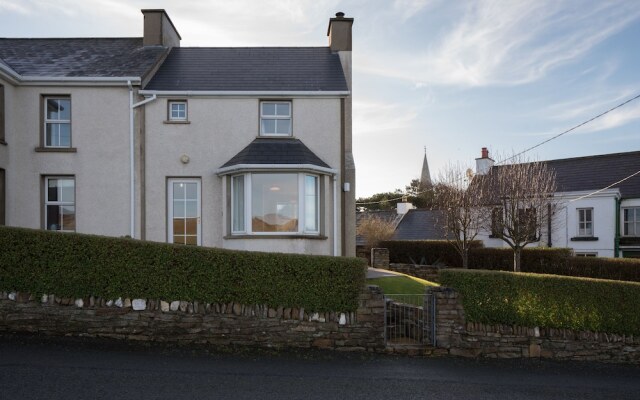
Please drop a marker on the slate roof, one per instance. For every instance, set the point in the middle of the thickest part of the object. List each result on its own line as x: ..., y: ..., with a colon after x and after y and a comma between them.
x: 275, y: 151
x: 250, y: 69
x: 597, y: 172
x: 420, y: 224
x: 386, y: 215
x: 79, y: 57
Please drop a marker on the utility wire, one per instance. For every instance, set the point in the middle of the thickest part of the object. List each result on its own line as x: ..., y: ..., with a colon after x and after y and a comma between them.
x: 605, y: 188
x: 533, y: 147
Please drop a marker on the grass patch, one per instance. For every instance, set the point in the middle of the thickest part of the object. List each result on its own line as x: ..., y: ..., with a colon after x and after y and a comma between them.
x: 404, y: 288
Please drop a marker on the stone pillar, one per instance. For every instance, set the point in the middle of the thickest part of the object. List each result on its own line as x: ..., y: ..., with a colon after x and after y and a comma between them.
x: 380, y: 258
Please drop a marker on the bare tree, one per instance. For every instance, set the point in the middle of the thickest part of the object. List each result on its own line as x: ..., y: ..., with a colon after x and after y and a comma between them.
x: 522, y: 200
x: 460, y: 204
x: 375, y: 229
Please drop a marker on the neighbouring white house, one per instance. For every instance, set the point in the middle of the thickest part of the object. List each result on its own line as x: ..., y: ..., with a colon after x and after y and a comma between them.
x: 240, y: 148
x: 597, y: 210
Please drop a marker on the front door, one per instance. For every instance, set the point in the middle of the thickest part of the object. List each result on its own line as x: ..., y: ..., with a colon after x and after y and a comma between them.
x: 184, y: 211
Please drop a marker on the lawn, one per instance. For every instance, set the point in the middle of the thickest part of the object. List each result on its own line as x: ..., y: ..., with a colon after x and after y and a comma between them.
x: 405, y: 288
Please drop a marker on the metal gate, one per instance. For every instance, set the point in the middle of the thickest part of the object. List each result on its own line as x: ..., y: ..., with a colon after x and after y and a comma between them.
x: 410, y: 319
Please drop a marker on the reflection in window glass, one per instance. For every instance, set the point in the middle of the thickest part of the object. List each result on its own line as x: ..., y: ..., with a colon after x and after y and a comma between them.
x: 311, y: 203
x: 237, y: 206
x: 60, y: 211
x: 57, y: 122
x: 274, y: 202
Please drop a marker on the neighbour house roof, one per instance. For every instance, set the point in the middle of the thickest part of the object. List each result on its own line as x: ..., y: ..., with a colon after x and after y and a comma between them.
x: 420, y: 224
x: 596, y: 172
x: 250, y: 69
x: 79, y: 57
x: 385, y: 215
x: 275, y: 151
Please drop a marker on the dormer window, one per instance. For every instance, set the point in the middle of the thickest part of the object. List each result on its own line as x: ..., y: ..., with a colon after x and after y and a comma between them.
x: 275, y: 118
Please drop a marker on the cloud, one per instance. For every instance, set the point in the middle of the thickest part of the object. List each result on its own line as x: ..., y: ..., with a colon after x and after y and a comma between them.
x: 509, y: 43
x: 409, y: 8
x: 381, y: 118
x: 622, y: 116
x: 11, y: 6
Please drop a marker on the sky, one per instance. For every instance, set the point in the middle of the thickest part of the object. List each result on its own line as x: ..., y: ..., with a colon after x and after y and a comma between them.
x: 451, y: 76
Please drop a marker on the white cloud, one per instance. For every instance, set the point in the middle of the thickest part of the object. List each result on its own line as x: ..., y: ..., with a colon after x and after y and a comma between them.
x: 408, y: 8
x: 11, y: 6
x: 622, y: 116
x: 510, y: 43
x: 382, y: 118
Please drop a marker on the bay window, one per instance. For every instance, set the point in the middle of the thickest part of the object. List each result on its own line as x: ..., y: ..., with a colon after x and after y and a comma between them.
x: 275, y: 203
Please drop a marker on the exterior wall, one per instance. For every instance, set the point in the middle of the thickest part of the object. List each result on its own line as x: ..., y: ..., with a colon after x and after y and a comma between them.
x: 100, y: 133
x: 218, y: 129
x: 5, y: 154
x: 564, y: 225
x: 215, y: 324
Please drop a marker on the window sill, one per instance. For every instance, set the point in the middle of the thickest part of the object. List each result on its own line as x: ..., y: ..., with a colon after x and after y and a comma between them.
x: 261, y: 136
x: 584, y: 239
x: 176, y: 122
x: 283, y: 236
x: 56, y: 150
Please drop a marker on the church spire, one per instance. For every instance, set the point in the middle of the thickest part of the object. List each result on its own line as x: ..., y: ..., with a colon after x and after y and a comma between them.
x: 425, y: 176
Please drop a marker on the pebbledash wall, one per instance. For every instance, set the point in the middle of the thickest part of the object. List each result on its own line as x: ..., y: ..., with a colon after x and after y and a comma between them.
x: 185, y: 322
x: 466, y: 339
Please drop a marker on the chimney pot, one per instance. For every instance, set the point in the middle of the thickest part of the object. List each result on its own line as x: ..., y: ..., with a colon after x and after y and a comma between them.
x: 339, y: 14
x: 485, y: 152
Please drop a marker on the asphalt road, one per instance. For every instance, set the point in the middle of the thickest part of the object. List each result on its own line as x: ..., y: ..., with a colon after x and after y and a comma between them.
x: 43, y: 368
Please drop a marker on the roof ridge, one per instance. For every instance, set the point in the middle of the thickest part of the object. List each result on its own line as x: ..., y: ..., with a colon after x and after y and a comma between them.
x: 595, y: 156
x: 252, y: 47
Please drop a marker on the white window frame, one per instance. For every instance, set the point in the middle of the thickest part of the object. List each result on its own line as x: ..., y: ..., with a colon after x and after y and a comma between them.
x: 276, y: 118
x: 59, y: 203
x: 47, y: 121
x: 586, y: 254
x: 635, y: 222
x: 170, y: 183
x: 248, y: 217
x: 178, y: 118
x: 582, y: 232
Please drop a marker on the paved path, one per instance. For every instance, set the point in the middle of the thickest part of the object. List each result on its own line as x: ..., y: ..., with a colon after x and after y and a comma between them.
x: 380, y: 273
x: 36, y: 368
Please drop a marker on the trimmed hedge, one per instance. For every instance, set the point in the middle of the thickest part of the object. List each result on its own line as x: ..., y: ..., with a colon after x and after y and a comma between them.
x: 424, y: 252
x: 537, y: 260
x: 79, y: 266
x: 583, y: 304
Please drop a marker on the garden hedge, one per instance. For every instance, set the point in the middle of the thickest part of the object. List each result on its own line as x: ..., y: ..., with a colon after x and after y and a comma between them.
x: 79, y: 266
x: 583, y: 304
x: 424, y: 252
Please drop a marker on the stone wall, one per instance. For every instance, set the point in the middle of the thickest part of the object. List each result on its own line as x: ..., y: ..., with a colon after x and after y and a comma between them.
x: 380, y: 258
x: 192, y: 322
x: 426, y: 272
x: 466, y: 339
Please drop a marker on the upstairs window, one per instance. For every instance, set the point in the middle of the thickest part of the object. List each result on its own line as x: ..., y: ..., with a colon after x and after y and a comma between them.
x: 275, y: 118
x: 177, y: 111
x: 57, y: 122
x: 497, y: 222
x: 585, y: 221
x: 631, y: 221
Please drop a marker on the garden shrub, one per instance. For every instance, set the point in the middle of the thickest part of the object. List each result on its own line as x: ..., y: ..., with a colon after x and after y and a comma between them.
x: 79, y: 266
x: 583, y: 304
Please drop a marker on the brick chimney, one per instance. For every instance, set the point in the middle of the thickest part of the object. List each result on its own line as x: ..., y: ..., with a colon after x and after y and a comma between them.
x: 339, y: 33
x: 484, y: 163
x: 159, y: 30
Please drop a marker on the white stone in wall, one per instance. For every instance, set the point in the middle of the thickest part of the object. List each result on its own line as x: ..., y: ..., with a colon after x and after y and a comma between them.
x: 139, y: 304
x: 536, y: 331
x: 314, y: 317
x: 79, y: 303
x: 44, y: 298
x: 127, y: 303
x: 343, y: 319
x: 109, y: 303
x: 12, y: 296
x: 164, y: 306
x: 174, y: 305
x: 119, y: 302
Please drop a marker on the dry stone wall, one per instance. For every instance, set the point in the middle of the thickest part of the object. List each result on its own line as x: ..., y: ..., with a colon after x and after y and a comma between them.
x: 229, y: 324
x: 426, y: 272
x: 467, y: 339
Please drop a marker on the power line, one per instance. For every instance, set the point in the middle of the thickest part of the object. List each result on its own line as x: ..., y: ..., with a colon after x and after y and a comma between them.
x: 605, y: 188
x: 531, y: 148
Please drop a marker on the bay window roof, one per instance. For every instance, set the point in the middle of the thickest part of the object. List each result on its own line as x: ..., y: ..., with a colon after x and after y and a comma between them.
x: 275, y: 153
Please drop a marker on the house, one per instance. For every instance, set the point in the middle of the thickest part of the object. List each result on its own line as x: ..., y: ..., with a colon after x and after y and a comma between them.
x: 240, y: 148
x: 597, y: 210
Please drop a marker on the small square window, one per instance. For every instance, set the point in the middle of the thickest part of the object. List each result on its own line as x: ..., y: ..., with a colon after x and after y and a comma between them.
x: 275, y: 118
x: 177, y: 111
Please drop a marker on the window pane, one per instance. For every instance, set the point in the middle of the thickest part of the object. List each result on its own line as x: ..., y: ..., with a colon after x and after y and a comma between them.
x: 268, y: 109
x: 310, y: 204
x: 238, y: 203
x: 67, y: 192
x: 191, y: 226
x: 283, y: 126
x: 53, y: 218
x: 191, y: 240
x: 64, y: 132
x: 178, y: 226
x: 52, y: 190
x: 178, y: 239
x: 65, y: 109
x: 191, y: 191
x: 191, y: 209
x: 53, y: 109
x: 588, y: 214
x: 282, y: 109
x: 178, y: 209
x: 268, y: 126
x: 178, y: 190
x: 52, y: 135
x: 68, y: 218
x: 274, y: 202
